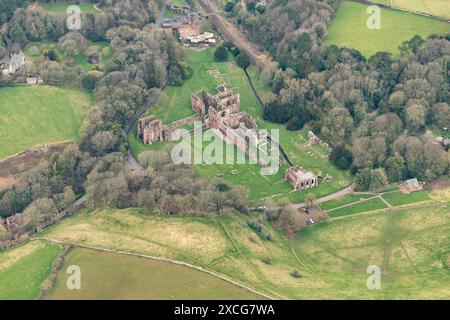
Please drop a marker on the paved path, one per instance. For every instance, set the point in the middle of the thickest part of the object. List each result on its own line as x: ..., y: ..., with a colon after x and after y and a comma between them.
x: 338, y: 194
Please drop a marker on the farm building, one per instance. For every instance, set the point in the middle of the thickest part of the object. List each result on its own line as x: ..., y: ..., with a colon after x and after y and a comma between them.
x: 206, y: 38
x: 178, y: 9
x: 411, y: 185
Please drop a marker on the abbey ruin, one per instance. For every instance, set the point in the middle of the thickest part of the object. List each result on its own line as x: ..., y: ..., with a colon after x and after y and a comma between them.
x: 222, y: 114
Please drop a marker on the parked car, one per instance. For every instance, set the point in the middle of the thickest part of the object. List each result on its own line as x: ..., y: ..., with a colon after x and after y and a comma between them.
x: 310, y: 221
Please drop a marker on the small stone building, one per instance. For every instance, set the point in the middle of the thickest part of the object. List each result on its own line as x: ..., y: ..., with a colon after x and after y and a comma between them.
x: 35, y: 81
x: 150, y: 130
x: 411, y: 185
x: 300, y: 179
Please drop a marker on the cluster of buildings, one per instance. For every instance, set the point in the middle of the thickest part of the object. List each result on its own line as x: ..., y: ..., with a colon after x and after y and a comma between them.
x: 17, y: 65
x: 187, y: 24
x: 222, y: 114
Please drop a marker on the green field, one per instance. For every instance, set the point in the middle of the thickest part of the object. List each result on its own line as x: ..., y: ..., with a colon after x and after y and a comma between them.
x: 24, y: 268
x: 60, y: 7
x: 440, y: 8
x: 410, y: 246
x: 175, y: 104
x: 31, y: 116
x: 366, y: 206
x: 336, y: 203
x: 349, y: 29
x: 112, y: 276
x: 399, y: 198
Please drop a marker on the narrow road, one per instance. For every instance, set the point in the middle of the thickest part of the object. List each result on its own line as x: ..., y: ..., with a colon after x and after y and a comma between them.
x: 338, y: 194
x: 162, y: 13
x: 233, y: 33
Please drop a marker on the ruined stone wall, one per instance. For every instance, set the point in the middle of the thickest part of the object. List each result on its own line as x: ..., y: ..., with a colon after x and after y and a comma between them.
x: 198, y: 106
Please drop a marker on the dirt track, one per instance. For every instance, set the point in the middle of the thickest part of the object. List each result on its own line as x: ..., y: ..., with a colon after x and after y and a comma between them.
x: 233, y: 33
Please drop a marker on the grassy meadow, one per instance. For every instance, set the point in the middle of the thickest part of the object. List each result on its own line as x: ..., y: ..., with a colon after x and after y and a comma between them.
x: 409, y: 245
x: 31, y: 116
x: 365, y: 206
x: 112, y: 276
x: 60, y: 7
x: 24, y: 268
x: 399, y: 198
x: 349, y: 29
x: 439, y: 8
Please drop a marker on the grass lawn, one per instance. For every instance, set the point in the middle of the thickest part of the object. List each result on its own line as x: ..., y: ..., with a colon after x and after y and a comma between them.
x: 410, y: 246
x: 175, y: 104
x: 246, y: 174
x: 336, y: 203
x: 369, y: 205
x: 348, y: 29
x: 399, y: 198
x: 60, y: 7
x: 440, y: 8
x: 24, y: 268
x: 112, y: 276
x: 31, y: 116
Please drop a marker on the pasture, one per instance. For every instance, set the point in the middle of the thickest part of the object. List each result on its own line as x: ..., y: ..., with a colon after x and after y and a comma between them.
x: 24, y: 268
x: 439, y: 8
x: 349, y: 29
x: 60, y: 7
x: 31, y: 116
x: 113, y: 276
x: 409, y: 245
